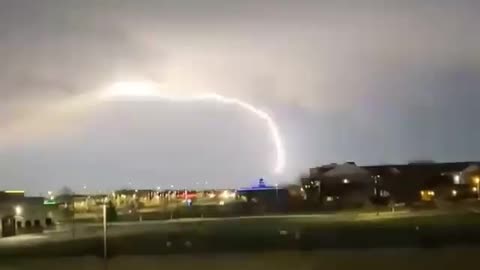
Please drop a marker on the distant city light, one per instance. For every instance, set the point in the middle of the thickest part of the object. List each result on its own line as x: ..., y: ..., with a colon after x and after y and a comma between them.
x: 346, y: 181
x: 14, y: 191
x: 227, y: 194
x: 49, y: 202
x: 454, y: 192
x: 476, y: 180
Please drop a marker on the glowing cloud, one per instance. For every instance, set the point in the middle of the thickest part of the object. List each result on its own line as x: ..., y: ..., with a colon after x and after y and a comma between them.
x: 146, y: 90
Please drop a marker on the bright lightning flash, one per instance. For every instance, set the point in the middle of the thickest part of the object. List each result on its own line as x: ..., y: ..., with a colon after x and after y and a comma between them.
x: 146, y: 90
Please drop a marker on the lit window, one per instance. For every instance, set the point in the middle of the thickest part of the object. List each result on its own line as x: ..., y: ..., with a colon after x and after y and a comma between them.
x: 476, y: 180
x: 456, y: 179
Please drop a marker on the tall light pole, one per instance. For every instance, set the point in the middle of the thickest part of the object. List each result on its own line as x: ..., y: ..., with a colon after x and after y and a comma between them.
x: 276, y: 191
x: 477, y: 182
x: 105, y: 230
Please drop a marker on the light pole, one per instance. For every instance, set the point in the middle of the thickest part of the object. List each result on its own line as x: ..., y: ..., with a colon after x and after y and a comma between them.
x: 105, y: 230
x: 73, y: 218
x: 477, y: 182
x: 276, y: 192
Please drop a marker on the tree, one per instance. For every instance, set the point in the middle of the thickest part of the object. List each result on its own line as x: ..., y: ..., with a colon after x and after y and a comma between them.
x: 111, y: 212
x: 65, y: 191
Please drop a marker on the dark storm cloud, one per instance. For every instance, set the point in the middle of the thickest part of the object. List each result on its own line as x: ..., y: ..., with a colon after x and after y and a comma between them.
x: 340, y: 77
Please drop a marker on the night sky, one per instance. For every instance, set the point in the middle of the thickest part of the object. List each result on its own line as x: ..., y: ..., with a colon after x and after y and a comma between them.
x: 365, y: 81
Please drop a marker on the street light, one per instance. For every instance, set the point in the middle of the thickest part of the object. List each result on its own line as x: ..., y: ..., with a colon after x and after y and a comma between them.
x: 105, y: 230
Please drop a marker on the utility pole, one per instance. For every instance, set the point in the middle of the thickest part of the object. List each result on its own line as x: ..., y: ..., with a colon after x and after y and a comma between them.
x: 73, y: 221
x: 105, y: 231
x: 477, y: 182
x: 276, y: 191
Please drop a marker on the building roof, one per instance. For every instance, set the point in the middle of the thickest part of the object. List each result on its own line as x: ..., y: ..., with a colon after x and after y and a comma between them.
x: 345, y: 170
x: 430, y: 167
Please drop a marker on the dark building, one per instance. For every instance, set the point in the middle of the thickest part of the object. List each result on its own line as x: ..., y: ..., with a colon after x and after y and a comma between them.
x: 20, y: 214
x: 406, y: 181
x: 338, y: 185
x: 397, y: 182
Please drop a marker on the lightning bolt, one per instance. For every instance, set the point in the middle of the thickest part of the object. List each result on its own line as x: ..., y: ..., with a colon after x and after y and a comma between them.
x: 142, y: 90
x: 151, y: 90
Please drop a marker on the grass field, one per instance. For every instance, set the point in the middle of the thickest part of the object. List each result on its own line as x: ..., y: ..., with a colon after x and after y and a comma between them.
x: 247, y: 235
x: 392, y: 259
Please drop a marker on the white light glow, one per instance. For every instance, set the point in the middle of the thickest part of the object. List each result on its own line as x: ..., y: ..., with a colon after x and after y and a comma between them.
x: 130, y: 90
x: 147, y: 90
x: 18, y: 210
x: 456, y: 179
